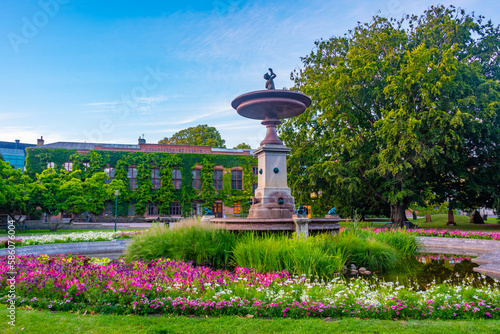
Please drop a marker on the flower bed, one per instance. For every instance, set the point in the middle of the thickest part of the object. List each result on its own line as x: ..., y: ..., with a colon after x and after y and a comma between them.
x: 175, y: 287
x: 72, y: 237
x: 450, y: 233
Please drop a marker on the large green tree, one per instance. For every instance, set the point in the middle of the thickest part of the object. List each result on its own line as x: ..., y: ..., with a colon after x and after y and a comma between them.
x: 401, y: 109
x: 13, y: 191
x: 197, y: 135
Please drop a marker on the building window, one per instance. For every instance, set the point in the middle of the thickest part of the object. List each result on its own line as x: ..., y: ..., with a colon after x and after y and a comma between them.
x: 110, y: 172
x: 254, y: 187
x: 153, y: 210
x: 132, y: 177
x: 68, y: 166
x: 237, y: 208
x: 155, y: 178
x: 175, y: 209
x: 108, y: 211
x: 237, y: 179
x: 255, y: 170
x: 176, y: 178
x: 51, y: 165
x: 218, y: 179
x: 131, y: 210
x: 196, y: 178
x: 86, y: 166
x: 197, y: 209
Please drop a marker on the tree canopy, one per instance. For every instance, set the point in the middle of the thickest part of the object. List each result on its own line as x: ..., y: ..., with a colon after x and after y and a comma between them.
x: 243, y: 146
x: 198, y: 135
x: 401, y: 109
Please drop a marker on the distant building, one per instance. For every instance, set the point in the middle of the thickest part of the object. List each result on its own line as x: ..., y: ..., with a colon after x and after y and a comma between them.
x: 14, y: 153
x: 234, y: 174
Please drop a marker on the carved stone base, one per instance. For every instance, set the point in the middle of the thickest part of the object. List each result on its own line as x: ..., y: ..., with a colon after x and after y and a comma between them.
x: 277, y: 205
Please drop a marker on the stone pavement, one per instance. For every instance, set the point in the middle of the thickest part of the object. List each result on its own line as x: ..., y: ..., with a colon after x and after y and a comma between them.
x: 487, y: 251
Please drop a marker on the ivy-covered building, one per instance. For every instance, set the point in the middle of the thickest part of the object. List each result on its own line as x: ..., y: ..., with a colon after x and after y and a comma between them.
x: 159, y: 180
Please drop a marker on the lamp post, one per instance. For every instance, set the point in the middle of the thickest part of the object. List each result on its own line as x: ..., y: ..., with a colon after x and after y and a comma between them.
x: 116, y: 205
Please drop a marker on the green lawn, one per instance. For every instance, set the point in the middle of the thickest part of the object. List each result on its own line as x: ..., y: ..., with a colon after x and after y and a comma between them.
x: 62, y: 322
x: 463, y: 223
x: 439, y: 221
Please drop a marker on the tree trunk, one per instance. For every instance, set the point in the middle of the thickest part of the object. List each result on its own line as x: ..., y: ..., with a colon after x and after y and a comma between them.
x: 398, y: 216
x: 53, y: 226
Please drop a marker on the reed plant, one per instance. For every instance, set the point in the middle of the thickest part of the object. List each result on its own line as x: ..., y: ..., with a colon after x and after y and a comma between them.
x: 190, y: 240
x: 271, y: 252
x: 383, y: 250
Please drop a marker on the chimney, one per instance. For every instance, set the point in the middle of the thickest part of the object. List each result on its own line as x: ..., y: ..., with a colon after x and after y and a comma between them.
x: 39, y: 142
x: 17, y: 143
x: 142, y: 140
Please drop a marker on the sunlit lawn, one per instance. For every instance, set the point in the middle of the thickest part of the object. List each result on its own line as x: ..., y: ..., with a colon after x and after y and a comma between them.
x: 61, y: 322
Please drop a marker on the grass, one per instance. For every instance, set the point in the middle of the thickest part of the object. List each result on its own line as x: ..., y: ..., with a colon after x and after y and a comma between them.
x: 281, y: 252
x: 439, y: 221
x: 324, y: 255
x: 32, y: 321
x: 463, y: 223
x: 190, y: 240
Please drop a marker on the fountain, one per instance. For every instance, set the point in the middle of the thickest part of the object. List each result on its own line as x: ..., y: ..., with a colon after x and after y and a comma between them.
x: 273, y: 206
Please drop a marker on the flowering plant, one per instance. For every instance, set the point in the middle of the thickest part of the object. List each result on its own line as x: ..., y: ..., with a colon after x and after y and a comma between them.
x: 176, y: 287
x: 72, y: 237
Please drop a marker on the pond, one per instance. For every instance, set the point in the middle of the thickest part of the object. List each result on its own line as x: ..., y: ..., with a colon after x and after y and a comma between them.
x: 437, y: 268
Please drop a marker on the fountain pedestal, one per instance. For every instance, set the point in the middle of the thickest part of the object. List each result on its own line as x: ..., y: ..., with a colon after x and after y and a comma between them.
x: 273, y: 206
x: 273, y: 199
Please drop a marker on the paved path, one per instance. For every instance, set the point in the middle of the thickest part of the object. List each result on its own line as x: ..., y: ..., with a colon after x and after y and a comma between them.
x: 487, y: 251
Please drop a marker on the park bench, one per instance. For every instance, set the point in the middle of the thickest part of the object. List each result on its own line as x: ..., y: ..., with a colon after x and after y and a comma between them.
x: 21, y: 227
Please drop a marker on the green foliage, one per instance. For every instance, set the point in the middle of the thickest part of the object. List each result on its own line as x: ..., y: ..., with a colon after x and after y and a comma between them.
x: 14, y: 191
x: 192, y: 240
x: 198, y: 135
x: 243, y: 146
x: 144, y: 194
x: 401, y: 109
x: 280, y: 252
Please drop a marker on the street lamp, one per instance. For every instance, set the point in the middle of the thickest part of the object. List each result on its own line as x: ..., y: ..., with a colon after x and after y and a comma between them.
x: 116, y: 205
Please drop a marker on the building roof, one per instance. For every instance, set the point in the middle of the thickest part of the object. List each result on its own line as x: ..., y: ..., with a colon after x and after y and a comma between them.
x: 12, y: 145
x: 87, y: 146
x: 131, y: 147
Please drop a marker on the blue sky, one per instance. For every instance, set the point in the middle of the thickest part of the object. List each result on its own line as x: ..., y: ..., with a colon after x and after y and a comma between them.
x: 110, y: 71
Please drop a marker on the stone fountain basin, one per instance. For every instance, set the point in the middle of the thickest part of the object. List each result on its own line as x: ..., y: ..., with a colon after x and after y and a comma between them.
x: 264, y: 104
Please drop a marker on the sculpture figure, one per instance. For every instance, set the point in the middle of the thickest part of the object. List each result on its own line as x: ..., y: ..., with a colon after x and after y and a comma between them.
x: 332, y: 212
x: 302, y: 210
x: 269, y: 78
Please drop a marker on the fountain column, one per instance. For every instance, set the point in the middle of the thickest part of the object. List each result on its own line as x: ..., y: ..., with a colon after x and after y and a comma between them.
x: 273, y: 198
